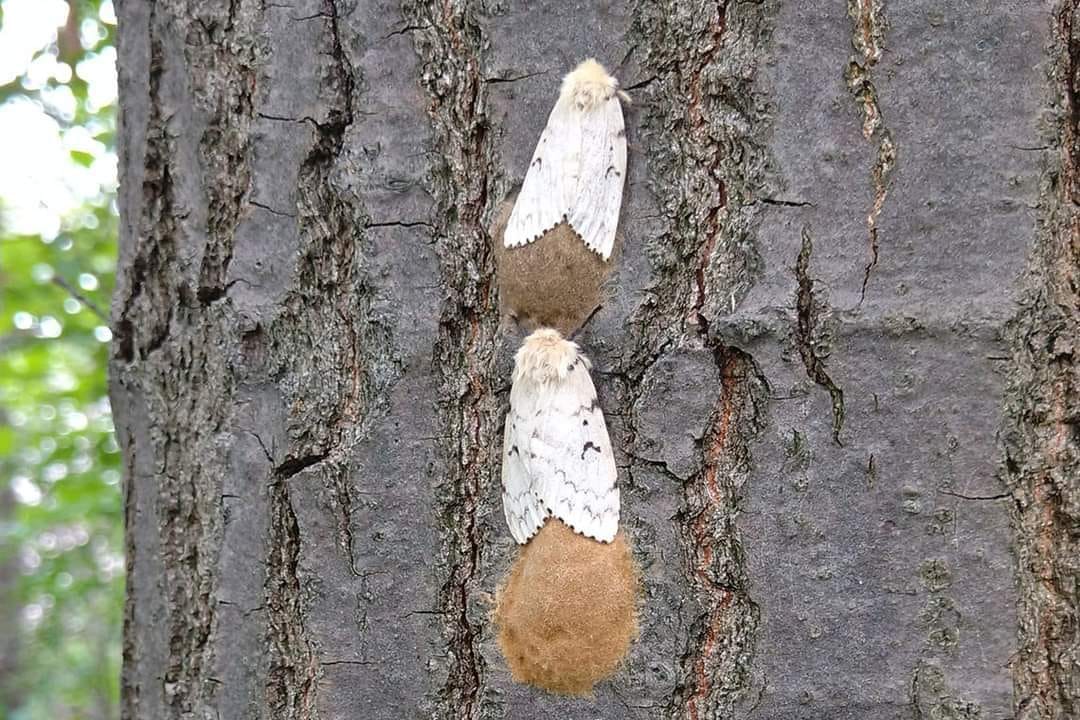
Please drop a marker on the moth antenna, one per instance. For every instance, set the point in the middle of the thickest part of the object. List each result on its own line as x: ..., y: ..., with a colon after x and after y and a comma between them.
x: 574, y: 335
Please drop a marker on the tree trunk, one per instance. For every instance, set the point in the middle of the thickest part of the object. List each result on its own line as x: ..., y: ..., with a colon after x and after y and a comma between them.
x: 838, y: 356
x: 11, y: 610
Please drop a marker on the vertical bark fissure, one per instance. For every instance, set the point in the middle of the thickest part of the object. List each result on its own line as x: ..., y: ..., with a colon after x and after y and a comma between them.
x: 169, y: 335
x: 812, y: 333
x: 867, y: 38
x: 332, y: 268
x: 172, y: 338
x: 157, y: 226
x: 223, y: 57
x: 706, y: 123
x: 157, y: 194
x: 718, y: 672
x: 1041, y: 437
x: 703, y: 69
x: 714, y: 213
x: 292, y: 677
x: 333, y: 395
x: 130, y: 650
x: 449, y: 42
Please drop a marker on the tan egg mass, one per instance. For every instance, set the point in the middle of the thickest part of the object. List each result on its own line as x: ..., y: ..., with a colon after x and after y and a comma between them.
x: 568, y: 612
x: 555, y: 281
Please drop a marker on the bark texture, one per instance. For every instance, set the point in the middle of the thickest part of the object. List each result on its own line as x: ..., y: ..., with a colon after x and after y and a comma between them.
x: 838, y: 356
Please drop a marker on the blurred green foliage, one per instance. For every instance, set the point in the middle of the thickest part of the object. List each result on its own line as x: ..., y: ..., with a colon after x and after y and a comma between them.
x: 61, y: 547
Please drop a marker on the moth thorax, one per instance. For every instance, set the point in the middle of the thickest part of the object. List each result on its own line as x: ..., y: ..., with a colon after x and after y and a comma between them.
x: 589, y: 86
x: 591, y: 96
x: 545, y: 356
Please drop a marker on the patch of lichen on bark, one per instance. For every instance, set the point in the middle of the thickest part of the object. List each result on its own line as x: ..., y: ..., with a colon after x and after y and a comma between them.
x: 930, y: 697
x: 1041, y: 440
x: 450, y: 44
x: 704, y: 125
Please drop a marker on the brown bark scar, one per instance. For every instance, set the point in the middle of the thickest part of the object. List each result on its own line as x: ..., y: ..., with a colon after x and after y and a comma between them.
x: 868, y: 34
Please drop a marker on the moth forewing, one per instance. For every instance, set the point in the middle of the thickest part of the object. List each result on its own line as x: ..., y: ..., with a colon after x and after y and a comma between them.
x: 578, y: 169
x: 557, y: 456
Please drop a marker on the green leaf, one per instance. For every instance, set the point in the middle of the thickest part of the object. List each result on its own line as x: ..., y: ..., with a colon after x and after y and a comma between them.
x: 83, y: 158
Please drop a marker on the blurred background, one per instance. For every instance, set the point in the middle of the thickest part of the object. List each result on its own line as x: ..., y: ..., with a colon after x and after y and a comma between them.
x: 61, y: 550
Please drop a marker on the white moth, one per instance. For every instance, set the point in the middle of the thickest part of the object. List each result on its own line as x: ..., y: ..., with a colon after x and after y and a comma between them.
x: 577, y: 171
x: 557, y: 458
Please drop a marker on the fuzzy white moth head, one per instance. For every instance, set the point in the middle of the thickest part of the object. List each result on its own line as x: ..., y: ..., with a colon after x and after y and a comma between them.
x: 545, y: 356
x: 588, y: 86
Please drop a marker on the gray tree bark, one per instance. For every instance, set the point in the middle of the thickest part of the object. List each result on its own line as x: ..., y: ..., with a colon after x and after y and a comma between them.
x: 838, y: 358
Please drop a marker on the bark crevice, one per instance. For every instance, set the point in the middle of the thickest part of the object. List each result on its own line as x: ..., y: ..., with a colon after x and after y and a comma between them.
x: 332, y: 395
x: 707, y: 122
x: 718, y: 667
x: 293, y: 674
x: 224, y: 55
x: 867, y: 38
x: 812, y: 332
x: 450, y: 44
x: 172, y: 336
x: 1041, y: 437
